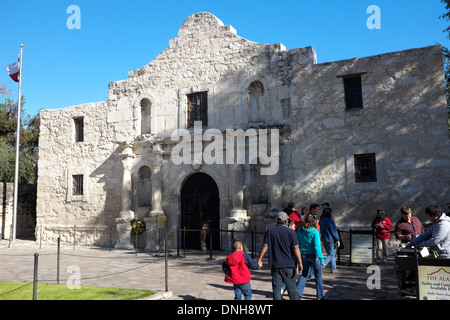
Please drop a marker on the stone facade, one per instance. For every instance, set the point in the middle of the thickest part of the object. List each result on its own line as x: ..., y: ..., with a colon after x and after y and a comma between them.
x: 125, y: 163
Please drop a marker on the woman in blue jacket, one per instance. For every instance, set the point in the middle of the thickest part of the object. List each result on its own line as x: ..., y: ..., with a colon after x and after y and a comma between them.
x: 330, y: 238
x: 309, y: 240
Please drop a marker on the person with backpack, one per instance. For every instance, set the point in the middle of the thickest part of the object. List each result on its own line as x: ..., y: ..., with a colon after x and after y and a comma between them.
x: 330, y: 238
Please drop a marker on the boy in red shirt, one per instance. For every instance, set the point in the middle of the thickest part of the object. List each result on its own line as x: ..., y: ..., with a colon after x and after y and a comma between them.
x: 236, y: 268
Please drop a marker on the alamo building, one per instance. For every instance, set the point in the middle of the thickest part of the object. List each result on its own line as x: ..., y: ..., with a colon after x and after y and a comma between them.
x: 220, y: 132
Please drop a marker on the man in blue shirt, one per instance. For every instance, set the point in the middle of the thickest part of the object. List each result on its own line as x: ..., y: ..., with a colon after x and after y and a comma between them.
x: 282, y: 243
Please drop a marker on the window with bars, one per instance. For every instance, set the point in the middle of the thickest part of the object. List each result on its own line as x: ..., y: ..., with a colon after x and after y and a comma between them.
x: 353, y: 92
x: 197, y: 108
x: 77, y: 188
x: 365, y: 167
x: 79, y: 129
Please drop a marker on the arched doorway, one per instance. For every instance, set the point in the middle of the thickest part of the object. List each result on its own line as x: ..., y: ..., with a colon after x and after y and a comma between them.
x: 200, y: 210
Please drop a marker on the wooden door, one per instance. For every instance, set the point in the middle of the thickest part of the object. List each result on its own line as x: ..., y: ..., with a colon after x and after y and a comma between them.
x: 200, y: 209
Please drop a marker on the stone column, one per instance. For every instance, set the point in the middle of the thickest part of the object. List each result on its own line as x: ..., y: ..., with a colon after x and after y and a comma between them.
x: 275, y: 188
x: 127, y: 161
x: 237, y: 192
x: 157, y: 182
x: 238, y: 219
x: 123, y: 223
x: 153, y: 230
x: 247, y: 187
x: 156, y: 191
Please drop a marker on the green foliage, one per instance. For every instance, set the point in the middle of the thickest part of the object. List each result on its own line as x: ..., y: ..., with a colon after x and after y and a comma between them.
x: 7, y: 161
x: 446, y: 15
x: 29, y: 140
x: 446, y: 53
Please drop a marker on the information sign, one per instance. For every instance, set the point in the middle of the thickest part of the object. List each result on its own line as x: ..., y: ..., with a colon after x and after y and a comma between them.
x: 433, y: 279
x: 361, y: 246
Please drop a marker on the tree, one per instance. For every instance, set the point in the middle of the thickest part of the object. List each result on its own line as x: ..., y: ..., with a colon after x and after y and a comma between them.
x: 7, y: 161
x: 446, y: 15
x: 446, y: 52
x: 29, y: 139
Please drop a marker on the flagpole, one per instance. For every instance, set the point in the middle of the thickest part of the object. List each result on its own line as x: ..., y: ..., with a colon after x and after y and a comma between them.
x: 16, y: 174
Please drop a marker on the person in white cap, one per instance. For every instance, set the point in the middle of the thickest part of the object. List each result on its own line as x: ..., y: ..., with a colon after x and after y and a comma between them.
x: 284, y: 254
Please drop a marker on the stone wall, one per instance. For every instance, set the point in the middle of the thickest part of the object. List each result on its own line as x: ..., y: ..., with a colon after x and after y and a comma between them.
x: 60, y: 157
x: 208, y: 57
x: 26, y: 210
x: 403, y: 121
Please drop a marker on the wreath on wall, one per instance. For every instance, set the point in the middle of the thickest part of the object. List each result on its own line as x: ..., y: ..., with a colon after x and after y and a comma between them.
x: 138, y: 227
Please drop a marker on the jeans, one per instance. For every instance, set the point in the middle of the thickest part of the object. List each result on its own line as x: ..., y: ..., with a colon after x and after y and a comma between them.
x: 331, y: 254
x: 382, y: 248
x: 287, y: 276
x: 242, y: 289
x: 311, y: 261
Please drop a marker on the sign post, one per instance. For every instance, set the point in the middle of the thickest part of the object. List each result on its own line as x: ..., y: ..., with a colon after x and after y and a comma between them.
x: 361, y: 246
x: 433, y: 279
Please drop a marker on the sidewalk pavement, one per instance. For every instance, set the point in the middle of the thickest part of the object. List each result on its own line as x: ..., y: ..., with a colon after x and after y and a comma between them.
x: 194, y: 277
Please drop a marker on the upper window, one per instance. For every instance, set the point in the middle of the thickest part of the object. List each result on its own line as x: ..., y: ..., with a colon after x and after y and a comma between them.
x: 256, y: 93
x: 79, y: 129
x: 365, y: 167
x: 353, y: 92
x: 197, y: 108
x: 145, y: 116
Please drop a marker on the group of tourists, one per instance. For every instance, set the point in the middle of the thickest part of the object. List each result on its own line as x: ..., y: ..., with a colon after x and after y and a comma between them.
x: 294, y: 244
x: 410, y: 231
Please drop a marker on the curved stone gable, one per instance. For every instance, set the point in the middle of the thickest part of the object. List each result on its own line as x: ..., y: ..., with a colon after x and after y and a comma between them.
x: 203, y: 22
x: 204, y: 41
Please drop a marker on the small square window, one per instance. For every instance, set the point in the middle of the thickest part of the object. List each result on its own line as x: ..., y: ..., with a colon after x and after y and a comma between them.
x: 77, y: 185
x: 79, y: 129
x: 365, y: 167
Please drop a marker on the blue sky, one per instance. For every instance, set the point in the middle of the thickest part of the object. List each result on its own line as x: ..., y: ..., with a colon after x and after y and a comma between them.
x: 64, y: 67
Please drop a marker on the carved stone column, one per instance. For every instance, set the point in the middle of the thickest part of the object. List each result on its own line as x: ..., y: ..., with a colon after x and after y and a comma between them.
x: 237, y: 192
x: 275, y: 188
x: 123, y: 223
x: 153, y: 229
x: 157, y: 182
x: 127, y: 155
x: 247, y: 187
x: 238, y: 219
x: 156, y: 191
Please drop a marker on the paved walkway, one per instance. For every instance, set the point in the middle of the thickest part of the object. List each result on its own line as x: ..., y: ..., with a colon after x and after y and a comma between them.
x: 194, y: 277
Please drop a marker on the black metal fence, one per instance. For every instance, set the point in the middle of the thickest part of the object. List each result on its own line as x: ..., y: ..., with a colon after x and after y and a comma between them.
x: 181, y: 239
x: 58, y: 254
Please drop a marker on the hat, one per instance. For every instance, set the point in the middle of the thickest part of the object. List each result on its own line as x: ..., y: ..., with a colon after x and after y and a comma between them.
x: 282, y: 216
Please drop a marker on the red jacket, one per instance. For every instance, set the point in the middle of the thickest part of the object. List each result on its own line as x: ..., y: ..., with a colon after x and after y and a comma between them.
x: 238, y: 272
x: 295, y: 217
x: 383, y: 232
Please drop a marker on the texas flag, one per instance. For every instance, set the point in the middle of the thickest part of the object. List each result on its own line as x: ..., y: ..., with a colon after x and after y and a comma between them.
x: 13, y: 71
